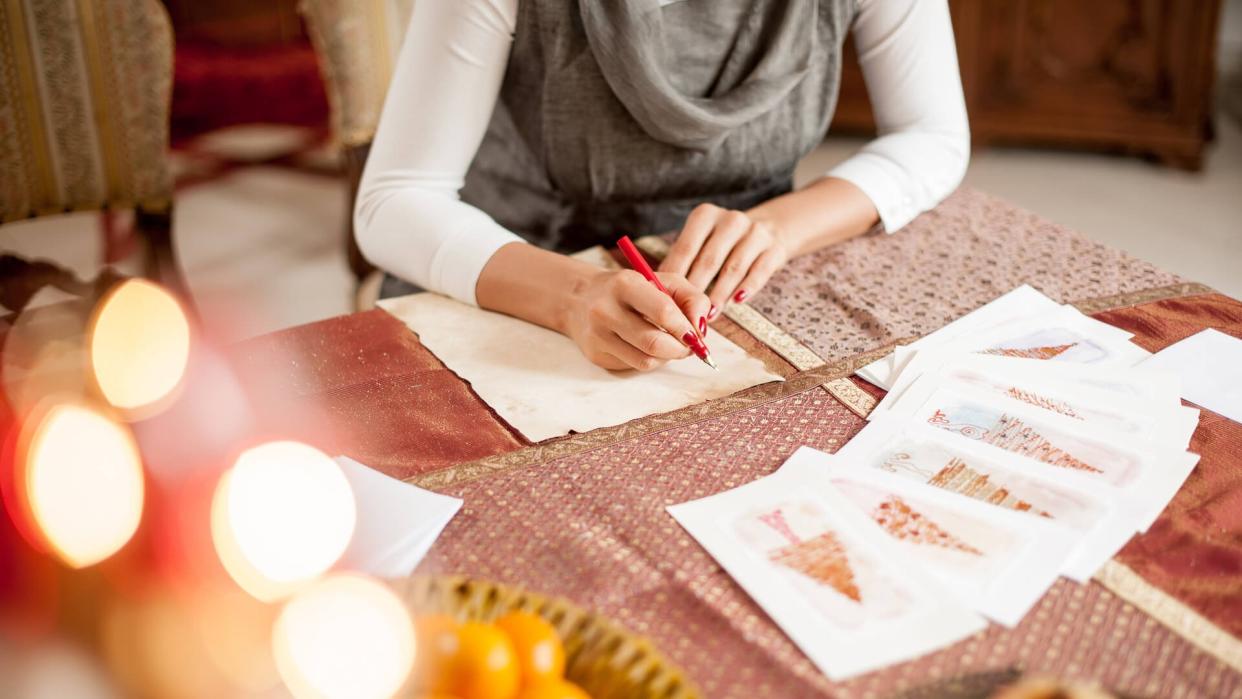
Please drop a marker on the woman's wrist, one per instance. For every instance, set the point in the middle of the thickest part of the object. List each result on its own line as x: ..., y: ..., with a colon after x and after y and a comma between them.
x: 826, y: 211
x: 533, y: 284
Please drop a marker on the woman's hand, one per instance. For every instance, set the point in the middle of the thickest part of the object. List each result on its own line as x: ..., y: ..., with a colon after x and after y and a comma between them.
x: 732, y: 247
x: 622, y: 321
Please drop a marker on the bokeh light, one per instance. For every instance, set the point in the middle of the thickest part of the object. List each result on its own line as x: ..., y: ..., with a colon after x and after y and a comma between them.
x: 83, y: 483
x: 281, y: 517
x: 345, y: 636
x: 139, y: 345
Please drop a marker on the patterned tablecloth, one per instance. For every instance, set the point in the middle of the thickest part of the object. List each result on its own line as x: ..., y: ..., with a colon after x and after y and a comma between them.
x: 583, y: 516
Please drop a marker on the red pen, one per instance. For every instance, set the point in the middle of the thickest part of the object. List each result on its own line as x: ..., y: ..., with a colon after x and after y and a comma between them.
x: 639, y: 263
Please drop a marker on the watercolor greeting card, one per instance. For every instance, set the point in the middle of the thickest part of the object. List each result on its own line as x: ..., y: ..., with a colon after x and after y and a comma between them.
x: 827, y: 574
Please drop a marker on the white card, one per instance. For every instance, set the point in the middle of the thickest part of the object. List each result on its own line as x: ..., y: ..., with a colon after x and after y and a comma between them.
x: 397, y: 522
x: 1210, y: 366
x: 937, y: 459
x: 1126, y: 384
x: 1167, y: 424
x: 834, y: 582
x: 1019, y: 302
x: 995, y: 561
x: 1145, y: 475
x: 1062, y: 335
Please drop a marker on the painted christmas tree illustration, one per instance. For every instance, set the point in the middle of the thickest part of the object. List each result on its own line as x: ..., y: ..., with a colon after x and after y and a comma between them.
x: 959, y: 478
x: 821, y: 558
x: 1045, y: 352
x: 1055, y: 406
x: 1012, y: 434
x: 903, y: 522
x: 1016, y: 436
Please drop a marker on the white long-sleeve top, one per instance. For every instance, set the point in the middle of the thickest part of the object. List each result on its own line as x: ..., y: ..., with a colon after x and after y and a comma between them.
x: 411, y: 222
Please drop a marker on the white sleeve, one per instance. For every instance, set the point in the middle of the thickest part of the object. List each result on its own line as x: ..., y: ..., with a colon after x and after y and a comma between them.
x: 909, y: 62
x: 409, y: 219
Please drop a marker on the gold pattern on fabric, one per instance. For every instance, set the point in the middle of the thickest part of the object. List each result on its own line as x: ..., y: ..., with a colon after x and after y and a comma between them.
x: 1186, y: 622
x: 1135, y: 298
x: 851, y: 396
x: 811, y: 379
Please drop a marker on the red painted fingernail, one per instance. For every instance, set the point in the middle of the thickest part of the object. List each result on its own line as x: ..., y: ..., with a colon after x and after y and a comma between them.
x: 712, y: 312
x: 740, y: 296
x: 702, y: 326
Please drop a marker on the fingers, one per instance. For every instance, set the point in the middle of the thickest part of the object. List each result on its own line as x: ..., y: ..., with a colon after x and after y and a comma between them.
x: 737, y: 266
x: 656, y: 306
x: 606, y: 360
x: 694, y: 304
x: 647, y: 338
x: 729, y: 229
x: 760, y: 272
x: 633, y: 357
x: 693, y: 234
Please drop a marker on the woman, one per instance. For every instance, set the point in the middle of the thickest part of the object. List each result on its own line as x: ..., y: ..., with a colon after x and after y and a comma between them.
x: 566, y: 123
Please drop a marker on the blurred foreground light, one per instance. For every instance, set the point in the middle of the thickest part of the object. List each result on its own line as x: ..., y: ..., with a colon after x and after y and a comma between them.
x: 345, y: 636
x: 84, y: 484
x: 53, y: 669
x: 140, y: 343
x: 281, y: 517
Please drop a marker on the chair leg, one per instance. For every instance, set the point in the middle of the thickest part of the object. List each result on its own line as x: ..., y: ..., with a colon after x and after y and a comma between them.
x: 161, y: 258
x: 23, y: 279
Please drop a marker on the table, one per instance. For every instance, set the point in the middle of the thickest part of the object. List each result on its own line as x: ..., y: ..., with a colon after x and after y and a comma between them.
x: 583, y: 516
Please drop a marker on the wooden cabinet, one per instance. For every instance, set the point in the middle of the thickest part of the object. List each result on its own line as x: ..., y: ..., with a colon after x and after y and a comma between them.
x: 1131, y: 76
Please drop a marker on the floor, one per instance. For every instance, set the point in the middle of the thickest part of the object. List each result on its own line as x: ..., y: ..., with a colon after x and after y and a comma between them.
x: 262, y: 245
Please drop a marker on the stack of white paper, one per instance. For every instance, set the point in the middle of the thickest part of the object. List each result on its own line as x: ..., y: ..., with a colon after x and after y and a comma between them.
x: 1054, y: 391
x: 1016, y: 444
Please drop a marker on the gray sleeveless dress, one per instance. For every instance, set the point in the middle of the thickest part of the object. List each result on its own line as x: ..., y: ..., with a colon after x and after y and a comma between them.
x: 620, y: 116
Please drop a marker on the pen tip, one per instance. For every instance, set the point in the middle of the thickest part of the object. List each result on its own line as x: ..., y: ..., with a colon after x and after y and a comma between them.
x: 710, y: 362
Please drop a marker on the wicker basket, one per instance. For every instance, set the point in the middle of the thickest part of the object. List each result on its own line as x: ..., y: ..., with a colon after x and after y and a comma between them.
x: 601, y: 656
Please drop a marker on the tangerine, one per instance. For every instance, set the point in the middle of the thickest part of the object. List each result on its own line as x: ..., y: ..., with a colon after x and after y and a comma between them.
x: 487, y: 665
x: 554, y: 689
x: 540, y: 653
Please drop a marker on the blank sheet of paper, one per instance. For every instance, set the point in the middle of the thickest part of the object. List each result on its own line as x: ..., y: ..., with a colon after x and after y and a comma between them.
x: 1209, y: 363
x: 539, y: 381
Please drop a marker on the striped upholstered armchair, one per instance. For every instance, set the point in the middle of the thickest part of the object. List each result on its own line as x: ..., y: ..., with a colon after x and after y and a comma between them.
x: 84, y: 123
x: 357, y: 42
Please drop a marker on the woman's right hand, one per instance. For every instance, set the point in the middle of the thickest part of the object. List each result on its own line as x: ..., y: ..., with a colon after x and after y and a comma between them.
x: 622, y: 321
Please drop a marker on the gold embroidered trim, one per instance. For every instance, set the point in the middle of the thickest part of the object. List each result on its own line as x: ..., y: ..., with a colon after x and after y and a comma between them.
x: 1100, y: 304
x: 851, y: 396
x: 770, y: 334
x: 1184, y: 621
x: 651, y: 424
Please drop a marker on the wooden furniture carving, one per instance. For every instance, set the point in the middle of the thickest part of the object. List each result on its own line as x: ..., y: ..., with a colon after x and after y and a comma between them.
x: 1131, y: 76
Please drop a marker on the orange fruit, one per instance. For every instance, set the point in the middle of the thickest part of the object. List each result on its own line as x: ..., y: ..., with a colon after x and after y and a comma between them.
x: 436, y: 653
x: 487, y: 666
x: 540, y: 653
x: 554, y: 689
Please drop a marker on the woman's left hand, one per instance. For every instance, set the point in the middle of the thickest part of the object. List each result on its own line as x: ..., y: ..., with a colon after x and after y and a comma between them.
x: 739, y: 252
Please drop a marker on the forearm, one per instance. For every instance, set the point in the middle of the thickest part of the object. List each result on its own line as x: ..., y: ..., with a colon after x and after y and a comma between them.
x: 827, y: 211
x: 533, y: 284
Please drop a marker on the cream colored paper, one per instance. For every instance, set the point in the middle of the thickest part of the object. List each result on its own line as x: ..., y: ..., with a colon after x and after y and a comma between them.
x: 539, y: 381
